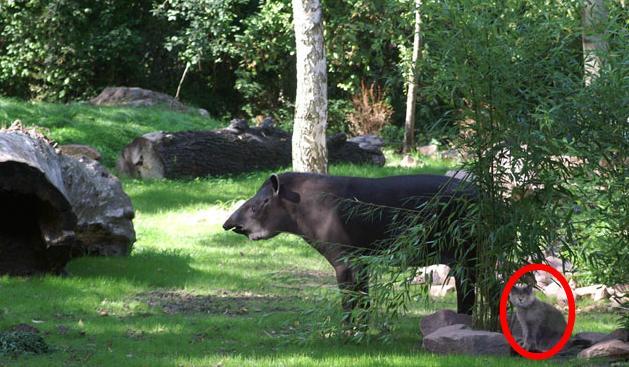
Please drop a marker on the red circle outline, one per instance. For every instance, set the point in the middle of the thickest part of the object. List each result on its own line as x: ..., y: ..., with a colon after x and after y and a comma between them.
x: 503, y: 312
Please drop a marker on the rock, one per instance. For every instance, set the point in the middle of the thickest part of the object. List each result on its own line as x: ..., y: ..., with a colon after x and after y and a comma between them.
x: 564, y: 266
x: 600, y: 294
x: 408, y: 161
x: 451, y: 154
x: 619, y: 290
x: 620, y: 334
x: 136, y: 97
x: 442, y: 318
x: 428, y: 150
x: 438, y: 273
x: 368, y: 142
x: 588, y: 339
x: 556, y: 291
x: 460, y: 339
x: 618, y: 302
x: 611, y: 349
x: 589, y: 291
x: 203, y: 112
x: 460, y: 175
x: 80, y: 150
x: 441, y: 290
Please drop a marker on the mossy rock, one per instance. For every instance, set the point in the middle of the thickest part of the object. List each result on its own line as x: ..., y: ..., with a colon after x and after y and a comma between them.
x: 14, y: 343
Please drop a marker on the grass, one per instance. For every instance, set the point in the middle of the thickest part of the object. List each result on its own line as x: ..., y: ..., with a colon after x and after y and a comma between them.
x: 107, y: 129
x: 193, y: 295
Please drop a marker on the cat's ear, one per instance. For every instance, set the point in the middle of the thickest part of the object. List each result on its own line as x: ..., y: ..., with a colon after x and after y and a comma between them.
x: 529, y: 288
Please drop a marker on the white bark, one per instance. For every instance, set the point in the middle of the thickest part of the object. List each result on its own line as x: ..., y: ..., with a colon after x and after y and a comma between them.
x: 411, y: 96
x: 311, y: 103
x: 594, y: 43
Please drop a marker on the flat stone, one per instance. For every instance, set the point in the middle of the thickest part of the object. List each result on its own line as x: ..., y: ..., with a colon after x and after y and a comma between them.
x: 428, y: 150
x: 441, y: 318
x: 620, y: 334
x: 611, y: 349
x: 437, y: 273
x: 591, y: 338
x: 589, y: 291
x: 441, y: 290
x: 460, y: 339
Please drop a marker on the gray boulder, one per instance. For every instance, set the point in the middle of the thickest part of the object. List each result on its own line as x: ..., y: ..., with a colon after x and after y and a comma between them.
x: 461, y: 339
x: 611, y: 349
x: 442, y: 318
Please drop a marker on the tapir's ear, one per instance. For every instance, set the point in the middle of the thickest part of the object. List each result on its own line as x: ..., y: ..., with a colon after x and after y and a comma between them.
x: 275, y: 183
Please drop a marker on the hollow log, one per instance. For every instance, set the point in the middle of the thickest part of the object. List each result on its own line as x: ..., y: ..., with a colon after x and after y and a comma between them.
x: 237, y: 149
x: 52, y: 206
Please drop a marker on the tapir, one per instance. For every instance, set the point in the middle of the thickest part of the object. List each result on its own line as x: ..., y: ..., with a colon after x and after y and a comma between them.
x: 318, y: 208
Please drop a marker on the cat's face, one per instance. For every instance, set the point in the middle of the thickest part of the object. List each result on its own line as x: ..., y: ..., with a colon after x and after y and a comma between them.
x: 522, y: 295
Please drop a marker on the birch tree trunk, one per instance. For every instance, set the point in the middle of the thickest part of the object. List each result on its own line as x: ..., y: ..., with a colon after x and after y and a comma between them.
x: 411, y: 97
x: 311, y: 104
x: 594, y: 43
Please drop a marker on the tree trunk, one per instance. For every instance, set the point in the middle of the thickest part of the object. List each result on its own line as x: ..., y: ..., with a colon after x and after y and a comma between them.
x: 594, y: 44
x: 190, y: 154
x: 411, y: 97
x: 311, y: 103
x: 55, y: 207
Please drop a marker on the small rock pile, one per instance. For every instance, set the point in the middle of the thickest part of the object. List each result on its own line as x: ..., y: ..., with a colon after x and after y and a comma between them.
x: 446, y: 332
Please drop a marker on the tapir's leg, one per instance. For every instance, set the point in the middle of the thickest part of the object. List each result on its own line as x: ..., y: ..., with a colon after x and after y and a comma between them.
x: 465, y: 293
x: 354, y: 285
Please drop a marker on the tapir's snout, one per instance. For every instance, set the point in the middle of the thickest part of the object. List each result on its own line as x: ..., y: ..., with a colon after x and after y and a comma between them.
x: 231, y: 223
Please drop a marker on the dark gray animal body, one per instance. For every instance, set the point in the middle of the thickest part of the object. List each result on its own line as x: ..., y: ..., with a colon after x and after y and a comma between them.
x: 315, y: 208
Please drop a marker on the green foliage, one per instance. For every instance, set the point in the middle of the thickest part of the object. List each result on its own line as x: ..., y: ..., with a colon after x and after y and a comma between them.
x: 15, y: 343
x: 62, y: 50
x: 514, y: 70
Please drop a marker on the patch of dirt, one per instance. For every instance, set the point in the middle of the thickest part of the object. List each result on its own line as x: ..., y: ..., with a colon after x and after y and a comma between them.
x: 225, y: 303
x: 301, y: 279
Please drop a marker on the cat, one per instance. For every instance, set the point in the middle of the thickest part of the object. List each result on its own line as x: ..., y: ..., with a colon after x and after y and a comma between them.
x: 542, y: 324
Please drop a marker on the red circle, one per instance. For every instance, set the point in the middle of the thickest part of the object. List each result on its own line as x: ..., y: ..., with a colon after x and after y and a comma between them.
x: 503, y: 312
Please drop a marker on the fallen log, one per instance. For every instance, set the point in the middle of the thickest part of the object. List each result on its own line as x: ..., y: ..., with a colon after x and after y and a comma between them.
x: 236, y: 149
x: 55, y: 207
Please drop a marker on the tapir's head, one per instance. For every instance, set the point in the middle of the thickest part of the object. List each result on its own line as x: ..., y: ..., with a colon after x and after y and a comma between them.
x: 266, y: 214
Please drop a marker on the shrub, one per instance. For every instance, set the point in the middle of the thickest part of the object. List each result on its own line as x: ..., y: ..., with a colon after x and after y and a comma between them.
x: 371, y: 111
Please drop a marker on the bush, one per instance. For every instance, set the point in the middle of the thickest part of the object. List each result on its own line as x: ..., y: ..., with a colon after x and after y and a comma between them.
x: 371, y: 111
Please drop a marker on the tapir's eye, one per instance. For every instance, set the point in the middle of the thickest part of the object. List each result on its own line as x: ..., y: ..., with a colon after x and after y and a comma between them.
x: 266, y: 201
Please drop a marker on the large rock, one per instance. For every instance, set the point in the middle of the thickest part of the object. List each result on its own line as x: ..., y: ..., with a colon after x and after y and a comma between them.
x: 590, y: 338
x: 587, y: 292
x: 442, y: 318
x: 611, y: 349
x: 135, y: 97
x: 437, y: 273
x: 461, y: 339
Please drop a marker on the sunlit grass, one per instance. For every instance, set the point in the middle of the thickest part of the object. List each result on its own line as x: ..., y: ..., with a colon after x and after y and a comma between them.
x: 259, y: 295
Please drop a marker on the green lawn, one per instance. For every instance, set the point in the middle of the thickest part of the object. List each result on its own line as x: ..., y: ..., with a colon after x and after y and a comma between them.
x: 193, y: 295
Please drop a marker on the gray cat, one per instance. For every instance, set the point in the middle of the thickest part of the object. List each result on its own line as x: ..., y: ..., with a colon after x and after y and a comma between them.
x: 542, y: 324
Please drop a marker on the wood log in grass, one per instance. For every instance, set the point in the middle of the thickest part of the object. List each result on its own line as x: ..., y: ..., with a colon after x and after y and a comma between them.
x: 54, y: 207
x: 233, y: 150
